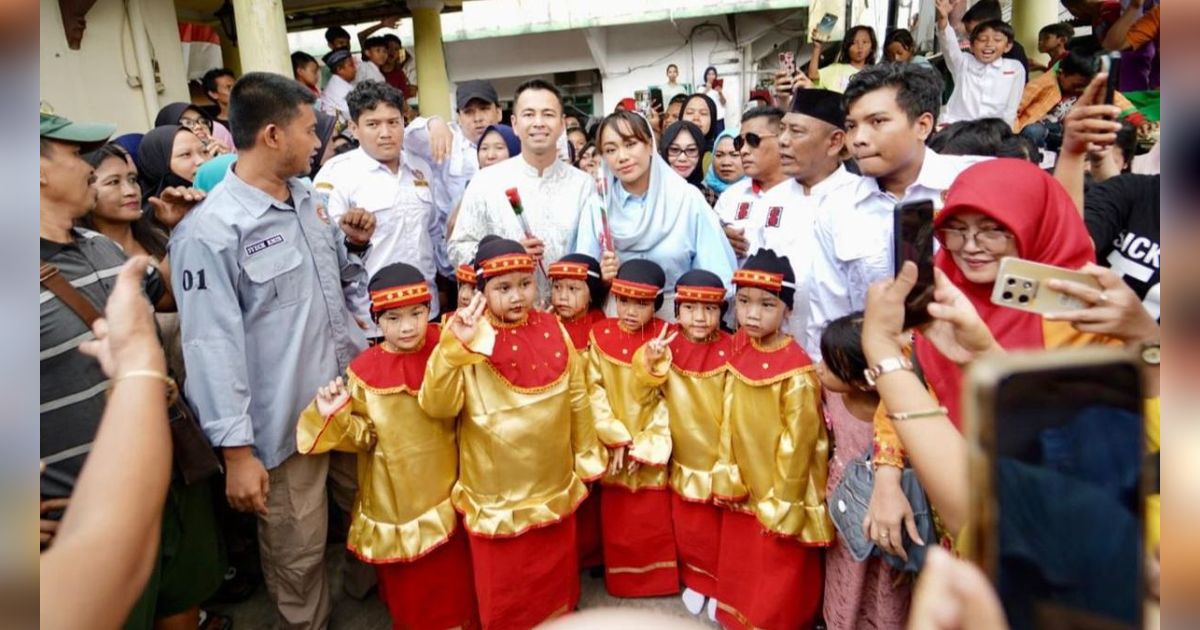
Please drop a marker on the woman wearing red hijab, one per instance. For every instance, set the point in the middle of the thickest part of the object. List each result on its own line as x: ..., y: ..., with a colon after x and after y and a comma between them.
x: 996, y: 209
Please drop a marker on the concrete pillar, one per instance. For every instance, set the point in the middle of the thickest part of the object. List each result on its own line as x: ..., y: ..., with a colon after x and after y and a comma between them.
x: 1028, y: 17
x: 433, y: 86
x: 262, y: 36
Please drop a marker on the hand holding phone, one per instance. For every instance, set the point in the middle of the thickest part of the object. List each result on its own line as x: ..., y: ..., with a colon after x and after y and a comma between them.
x: 1025, y: 286
x: 824, y: 28
x: 912, y: 231
x: 787, y: 62
x: 1109, y: 64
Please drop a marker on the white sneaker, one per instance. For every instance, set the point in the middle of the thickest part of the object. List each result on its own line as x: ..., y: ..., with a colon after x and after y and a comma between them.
x: 693, y: 601
x: 712, y: 608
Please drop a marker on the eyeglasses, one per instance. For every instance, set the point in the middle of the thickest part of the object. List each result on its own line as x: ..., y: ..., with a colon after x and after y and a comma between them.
x: 752, y: 139
x: 992, y: 239
x: 192, y: 124
x: 674, y: 151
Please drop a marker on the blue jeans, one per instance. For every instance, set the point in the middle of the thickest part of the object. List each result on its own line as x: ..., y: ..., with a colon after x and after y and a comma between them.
x: 1040, y: 132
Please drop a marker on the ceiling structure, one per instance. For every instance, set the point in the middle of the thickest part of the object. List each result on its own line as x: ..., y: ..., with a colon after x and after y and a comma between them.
x: 309, y: 14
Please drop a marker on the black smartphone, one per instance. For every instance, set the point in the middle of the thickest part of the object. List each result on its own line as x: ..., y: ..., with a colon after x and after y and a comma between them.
x: 913, y: 235
x: 1110, y: 63
x: 1058, y: 480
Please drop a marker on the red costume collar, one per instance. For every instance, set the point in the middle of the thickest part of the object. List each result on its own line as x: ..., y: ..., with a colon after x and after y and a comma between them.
x: 581, y: 326
x: 387, y: 372
x: 532, y: 355
x: 761, y: 366
x: 701, y: 359
x: 618, y: 345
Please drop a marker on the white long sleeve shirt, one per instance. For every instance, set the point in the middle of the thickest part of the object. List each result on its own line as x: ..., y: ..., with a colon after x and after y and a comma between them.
x: 449, y: 179
x: 981, y: 90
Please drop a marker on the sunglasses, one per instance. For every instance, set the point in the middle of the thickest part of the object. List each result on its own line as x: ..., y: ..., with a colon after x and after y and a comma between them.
x: 750, y: 138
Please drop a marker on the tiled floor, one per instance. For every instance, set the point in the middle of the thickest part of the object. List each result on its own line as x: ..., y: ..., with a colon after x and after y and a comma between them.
x: 370, y: 613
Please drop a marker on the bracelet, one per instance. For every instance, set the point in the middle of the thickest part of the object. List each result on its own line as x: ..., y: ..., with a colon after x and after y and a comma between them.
x: 913, y: 415
x: 172, y: 386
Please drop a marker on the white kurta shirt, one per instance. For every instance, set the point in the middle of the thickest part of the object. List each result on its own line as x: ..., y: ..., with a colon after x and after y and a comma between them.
x: 553, y: 201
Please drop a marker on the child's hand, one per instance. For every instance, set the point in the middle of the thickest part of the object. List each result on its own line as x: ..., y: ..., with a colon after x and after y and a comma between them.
x: 616, y: 460
x: 944, y: 9
x: 656, y: 348
x: 331, y: 397
x: 466, y: 319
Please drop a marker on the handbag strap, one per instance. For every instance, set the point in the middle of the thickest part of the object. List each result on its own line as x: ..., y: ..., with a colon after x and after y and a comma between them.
x: 56, y: 283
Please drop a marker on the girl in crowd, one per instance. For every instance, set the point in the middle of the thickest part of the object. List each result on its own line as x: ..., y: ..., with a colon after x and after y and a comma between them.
x: 681, y: 148
x: 498, y: 143
x: 588, y: 160
x: 858, y: 51
x: 868, y: 593
x: 726, y: 167
x: 713, y: 84
x: 900, y: 47
x: 700, y: 110
x: 651, y: 212
x: 215, y: 137
x: 169, y: 156
x: 674, y: 110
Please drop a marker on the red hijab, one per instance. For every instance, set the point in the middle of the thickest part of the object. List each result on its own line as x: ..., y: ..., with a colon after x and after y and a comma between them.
x: 1047, y: 229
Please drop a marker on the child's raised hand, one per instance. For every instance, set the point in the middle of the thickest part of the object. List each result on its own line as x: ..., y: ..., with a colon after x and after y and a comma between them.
x: 609, y: 266
x: 466, y: 319
x: 657, y: 347
x: 331, y: 397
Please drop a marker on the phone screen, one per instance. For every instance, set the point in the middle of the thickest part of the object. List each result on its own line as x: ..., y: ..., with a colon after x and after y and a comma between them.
x: 1067, y: 466
x: 913, y: 234
x: 827, y: 23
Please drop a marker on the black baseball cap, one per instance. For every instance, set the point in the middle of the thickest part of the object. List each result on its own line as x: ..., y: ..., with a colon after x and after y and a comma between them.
x: 475, y: 90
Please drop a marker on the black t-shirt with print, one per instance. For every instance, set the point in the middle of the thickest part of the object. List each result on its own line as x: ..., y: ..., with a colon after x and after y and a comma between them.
x: 1122, y: 216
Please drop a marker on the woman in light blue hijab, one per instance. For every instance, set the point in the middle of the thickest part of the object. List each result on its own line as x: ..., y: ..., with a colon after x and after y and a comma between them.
x: 651, y: 212
x: 726, y: 166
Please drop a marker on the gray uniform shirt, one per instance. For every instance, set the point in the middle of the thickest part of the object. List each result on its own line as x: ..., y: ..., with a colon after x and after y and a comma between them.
x: 265, y: 293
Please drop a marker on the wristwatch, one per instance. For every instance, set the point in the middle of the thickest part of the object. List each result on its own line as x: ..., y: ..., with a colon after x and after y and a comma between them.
x: 355, y: 248
x: 890, y: 364
x: 1150, y: 353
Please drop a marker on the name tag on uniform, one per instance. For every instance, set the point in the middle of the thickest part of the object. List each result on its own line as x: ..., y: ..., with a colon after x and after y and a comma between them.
x: 255, y: 248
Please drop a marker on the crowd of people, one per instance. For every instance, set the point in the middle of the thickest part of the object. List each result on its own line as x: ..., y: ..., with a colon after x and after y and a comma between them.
x: 650, y: 345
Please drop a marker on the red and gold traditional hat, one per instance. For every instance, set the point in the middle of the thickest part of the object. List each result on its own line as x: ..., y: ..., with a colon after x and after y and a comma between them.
x: 397, y: 285
x: 768, y: 271
x: 701, y: 286
x: 569, y: 270
x: 640, y: 279
x: 465, y: 274
x: 634, y: 290
x: 498, y: 256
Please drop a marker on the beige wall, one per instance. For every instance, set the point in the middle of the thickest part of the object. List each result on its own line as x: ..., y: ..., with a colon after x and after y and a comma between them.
x: 90, y: 83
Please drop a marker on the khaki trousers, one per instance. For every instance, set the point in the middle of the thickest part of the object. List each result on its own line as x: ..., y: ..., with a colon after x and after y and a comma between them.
x: 291, y: 537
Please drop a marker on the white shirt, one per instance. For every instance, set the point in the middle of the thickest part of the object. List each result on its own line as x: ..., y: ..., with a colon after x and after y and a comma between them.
x: 704, y: 89
x: 783, y: 219
x: 449, y: 179
x: 854, y: 238
x: 401, y: 202
x: 333, y: 97
x: 981, y: 90
x: 552, y: 200
x: 368, y: 71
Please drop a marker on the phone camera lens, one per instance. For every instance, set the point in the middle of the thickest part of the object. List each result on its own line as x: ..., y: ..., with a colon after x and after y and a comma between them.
x: 1028, y: 285
x: 1012, y: 281
x: 1023, y: 299
x: 1007, y: 295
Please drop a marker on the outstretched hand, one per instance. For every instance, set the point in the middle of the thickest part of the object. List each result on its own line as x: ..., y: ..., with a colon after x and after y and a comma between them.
x: 465, y: 322
x: 1090, y: 124
x: 957, y: 330
x: 656, y: 348
x: 331, y: 397
x: 173, y: 203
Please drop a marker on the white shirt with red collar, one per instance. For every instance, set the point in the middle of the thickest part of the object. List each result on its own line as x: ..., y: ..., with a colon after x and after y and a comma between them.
x: 981, y: 90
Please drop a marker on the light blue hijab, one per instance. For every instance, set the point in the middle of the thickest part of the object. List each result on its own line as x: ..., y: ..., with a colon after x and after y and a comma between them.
x: 711, y: 179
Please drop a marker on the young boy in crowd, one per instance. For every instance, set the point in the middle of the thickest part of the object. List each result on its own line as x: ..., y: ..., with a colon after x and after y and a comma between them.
x: 412, y: 537
x: 375, y: 56
x: 333, y: 99
x: 464, y: 275
x: 691, y: 374
x: 986, y: 85
x: 774, y: 457
x: 1052, y: 40
x: 635, y: 508
x: 527, y: 441
x: 577, y: 295
x: 1047, y: 99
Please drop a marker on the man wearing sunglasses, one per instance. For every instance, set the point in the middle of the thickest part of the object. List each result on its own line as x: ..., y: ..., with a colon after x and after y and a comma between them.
x: 744, y: 206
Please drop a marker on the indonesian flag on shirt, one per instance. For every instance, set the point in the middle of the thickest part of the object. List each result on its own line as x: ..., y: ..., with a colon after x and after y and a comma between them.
x: 201, y: 49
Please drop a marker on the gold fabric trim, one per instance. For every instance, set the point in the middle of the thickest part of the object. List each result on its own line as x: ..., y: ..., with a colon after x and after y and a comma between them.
x: 666, y: 564
x: 377, y: 541
x: 503, y: 521
x: 783, y: 376
x: 691, y: 484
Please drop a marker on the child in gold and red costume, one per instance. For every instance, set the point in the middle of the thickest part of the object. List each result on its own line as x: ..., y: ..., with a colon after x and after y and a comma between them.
x: 691, y: 373
x: 527, y: 441
x: 403, y: 521
x: 635, y: 507
x: 773, y: 462
x: 577, y: 296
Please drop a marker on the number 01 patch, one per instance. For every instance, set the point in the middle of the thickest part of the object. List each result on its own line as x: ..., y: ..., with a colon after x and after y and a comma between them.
x: 191, y: 280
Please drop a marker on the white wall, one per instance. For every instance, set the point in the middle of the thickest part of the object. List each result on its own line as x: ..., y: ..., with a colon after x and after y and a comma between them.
x: 89, y: 84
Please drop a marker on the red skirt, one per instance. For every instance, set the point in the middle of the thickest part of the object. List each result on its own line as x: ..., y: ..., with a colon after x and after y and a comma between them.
x: 525, y: 580
x: 766, y: 581
x: 639, y: 543
x: 433, y: 591
x: 698, y: 542
x: 587, y: 530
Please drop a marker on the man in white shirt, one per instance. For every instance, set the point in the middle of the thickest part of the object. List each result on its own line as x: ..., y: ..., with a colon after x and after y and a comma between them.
x: 333, y: 98
x: 553, y: 193
x: 891, y: 110
x: 383, y: 179
x: 452, y: 150
x: 986, y: 85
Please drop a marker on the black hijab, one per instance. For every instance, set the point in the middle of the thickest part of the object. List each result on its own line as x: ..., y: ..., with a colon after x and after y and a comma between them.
x: 171, y: 114
x: 707, y: 145
x: 669, y: 134
x: 154, y: 156
x: 325, y: 126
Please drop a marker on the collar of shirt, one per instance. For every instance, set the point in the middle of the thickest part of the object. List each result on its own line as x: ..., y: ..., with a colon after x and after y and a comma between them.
x: 257, y: 201
x: 529, y: 170
x: 837, y: 179
x: 359, y: 160
x: 624, y: 197
x: 937, y: 173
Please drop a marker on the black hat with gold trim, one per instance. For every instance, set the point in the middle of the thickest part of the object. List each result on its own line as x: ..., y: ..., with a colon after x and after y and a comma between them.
x: 396, y: 285
x: 640, y: 279
x: 770, y: 272
x: 497, y: 256
x: 581, y: 267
